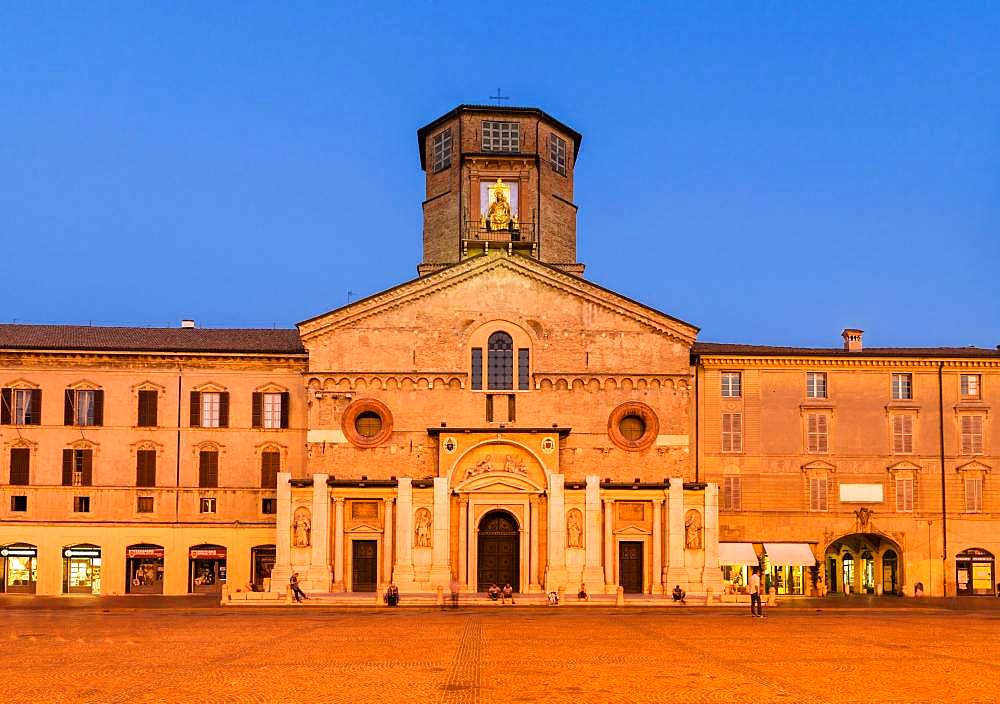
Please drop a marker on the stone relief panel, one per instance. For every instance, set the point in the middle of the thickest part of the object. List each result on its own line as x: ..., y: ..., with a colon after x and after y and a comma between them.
x: 422, y: 532
x: 301, y: 528
x: 574, y: 528
x: 364, y: 510
x: 692, y: 530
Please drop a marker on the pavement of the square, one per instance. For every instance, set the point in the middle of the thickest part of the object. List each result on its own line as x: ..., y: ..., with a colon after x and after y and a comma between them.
x: 503, y: 655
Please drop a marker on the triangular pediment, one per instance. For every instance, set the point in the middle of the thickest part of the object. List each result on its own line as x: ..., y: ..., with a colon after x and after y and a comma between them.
x: 368, y: 526
x: 974, y: 466
x: 498, y: 483
x: 903, y: 466
x: 538, y: 277
x: 631, y: 530
x: 819, y: 466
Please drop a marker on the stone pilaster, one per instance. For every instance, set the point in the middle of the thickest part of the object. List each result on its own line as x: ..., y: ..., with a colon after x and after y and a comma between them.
x: 338, y: 545
x: 440, y: 574
x: 556, y: 575
x: 319, y: 561
x: 712, y: 575
x: 593, y: 574
x: 463, y: 542
x: 403, y: 571
x: 387, y: 534
x: 609, y: 546
x: 283, y: 535
x: 535, y: 539
x: 657, y: 571
x: 675, y: 571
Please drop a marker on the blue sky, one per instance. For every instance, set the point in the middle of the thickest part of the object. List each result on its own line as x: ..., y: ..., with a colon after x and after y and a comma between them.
x: 771, y: 172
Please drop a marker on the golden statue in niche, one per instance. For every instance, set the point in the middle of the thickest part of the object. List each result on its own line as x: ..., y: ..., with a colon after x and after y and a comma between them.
x: 500, y: 215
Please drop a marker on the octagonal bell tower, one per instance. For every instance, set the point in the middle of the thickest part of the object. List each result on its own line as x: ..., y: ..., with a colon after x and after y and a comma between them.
x: 498, y: 178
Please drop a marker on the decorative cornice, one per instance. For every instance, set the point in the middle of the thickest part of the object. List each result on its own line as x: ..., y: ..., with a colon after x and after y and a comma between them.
x: 388, y: 381
x: 737, y: 361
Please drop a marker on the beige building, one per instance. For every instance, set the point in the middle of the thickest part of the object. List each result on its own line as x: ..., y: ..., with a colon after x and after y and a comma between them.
x: 497, y: 419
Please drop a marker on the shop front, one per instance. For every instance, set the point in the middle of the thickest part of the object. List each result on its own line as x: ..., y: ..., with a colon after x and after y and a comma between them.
x: 19, y: 565
x: 736, y: 560
x: 786, y: 567
x: 144, y: 569
x: 975, y: 573
x: 206, y: 568
x: 82, y: 569
x: 263, y: 560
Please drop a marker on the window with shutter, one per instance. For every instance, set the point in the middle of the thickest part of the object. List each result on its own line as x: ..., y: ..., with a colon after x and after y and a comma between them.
x: 904, y: 494
x: 817, y: 429
x: 78, y: 468
x: 20, y: 459
x: 974, y: 495
x: 557, y: 154
x: 732, y: 432
x: 272, y: 410
x: 210, y: 402
x: 145, y: 468
x: 817, y: 494
x: 21, y: 406
x: 441, y: 150
x: 147, y: 408
x: 902, y: 433
x: 732, y: 498
x: 972, y: 435
x: 270, y: 465
x: 208, y: 469
x: 84, y: 407
x: 970, y: 385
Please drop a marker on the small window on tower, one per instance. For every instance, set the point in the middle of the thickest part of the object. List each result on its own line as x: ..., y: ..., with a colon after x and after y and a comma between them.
x: 501, y: 136
x: 557, y: 154
x: 441, y: 150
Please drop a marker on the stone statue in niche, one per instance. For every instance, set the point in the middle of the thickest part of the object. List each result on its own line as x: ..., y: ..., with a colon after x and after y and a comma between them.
x: 422, y: 529
x: 515, y: 466
x: 692, y: 530
x: 301, y: 528
x: 483, y: 466
x: 574, y: 529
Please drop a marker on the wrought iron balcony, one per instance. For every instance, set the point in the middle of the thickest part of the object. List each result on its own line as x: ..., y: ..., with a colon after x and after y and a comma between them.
x: 477, y: 231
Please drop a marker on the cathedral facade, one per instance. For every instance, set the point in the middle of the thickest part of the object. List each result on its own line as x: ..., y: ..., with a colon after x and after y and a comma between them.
x: 498, y: 419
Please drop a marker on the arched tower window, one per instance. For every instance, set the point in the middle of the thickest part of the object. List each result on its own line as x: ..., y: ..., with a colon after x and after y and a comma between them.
x: 500, y: 362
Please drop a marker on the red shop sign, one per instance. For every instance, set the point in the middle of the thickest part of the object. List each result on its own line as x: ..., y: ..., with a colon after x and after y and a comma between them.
x: 208, y: 553
x: 144, y: 552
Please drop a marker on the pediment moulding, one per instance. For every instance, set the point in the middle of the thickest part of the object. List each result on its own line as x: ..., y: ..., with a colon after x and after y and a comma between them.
x: 17, y: 442
x: 904, y: 466
x: 975, y: 466
x: 84, y: 385
x: 209, y: 387
x: 417, y: 289
x: 146, y: 445
x: 148, y: 386
x: 208, y: 446
x: 818, y: 467
x: 332, y: 383
x: 85, y: 444
x: 736, y: 362
x: 20, y: 383
x: 271, y: 388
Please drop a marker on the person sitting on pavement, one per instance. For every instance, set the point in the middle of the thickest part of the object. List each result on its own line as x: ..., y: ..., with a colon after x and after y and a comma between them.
x: 391, y: 595
x: 507, y: 593
x: 679, y: 594
x: 582, y: 595
x: 493, y: 592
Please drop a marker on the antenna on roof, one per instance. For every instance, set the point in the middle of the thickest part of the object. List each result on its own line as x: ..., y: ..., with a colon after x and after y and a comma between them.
x: 498, y: 97
x: 349, y: 294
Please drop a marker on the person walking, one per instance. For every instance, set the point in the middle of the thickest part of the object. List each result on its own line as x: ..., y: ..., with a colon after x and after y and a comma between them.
x: 756, y: 606
x: 293, y: 584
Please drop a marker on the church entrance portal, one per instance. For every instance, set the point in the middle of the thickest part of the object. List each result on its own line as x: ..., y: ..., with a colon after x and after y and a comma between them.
x: 364, y: 565
x: 630, y: 566
x: 499, y: 551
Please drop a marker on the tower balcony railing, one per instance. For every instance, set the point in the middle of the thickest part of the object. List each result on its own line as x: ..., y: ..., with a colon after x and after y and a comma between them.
x: 477, y: 231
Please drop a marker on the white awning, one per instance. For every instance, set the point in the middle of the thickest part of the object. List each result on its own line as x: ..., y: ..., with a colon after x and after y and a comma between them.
x: 737, y: 554
x: 789, y: 553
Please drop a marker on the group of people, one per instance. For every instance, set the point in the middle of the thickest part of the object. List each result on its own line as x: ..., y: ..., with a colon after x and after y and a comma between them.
x: 502, y: 594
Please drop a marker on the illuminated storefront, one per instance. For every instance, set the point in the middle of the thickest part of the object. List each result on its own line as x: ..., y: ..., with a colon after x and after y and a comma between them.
x: 206, y: 568
x: 975, y: 573
x: 144, y: 569
x: 19, y: 566
x: 736, y: 561
x: 786, y: 567
x: 82, y: 569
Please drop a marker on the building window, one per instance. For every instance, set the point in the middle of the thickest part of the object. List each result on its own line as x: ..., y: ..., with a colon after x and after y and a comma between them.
x: 732, y: 383
x: 210, y: 409
x: 147, y: 408
x: 208, y: 469
x: 972, y: 435
x: 206, y: 504
x: 21, y: 406
x: 20, y: 460
x: 268, y: 506
x: 732, y: 494
x: 270, y: 465
x: 368, y: 424
x: 817, y: 432
x: 557, y: 154
x: 78, y: 468
x: 501, y: 136
x: 18, y: 503
x: 902, y: 433
x: 631, y: 427
x: 523, y: 380
x: 144, y: 504
x: 270, y: 410
x: 145, y: 468
x: 441, y: 150
x: 904, y: 494
x: 81, y: 504
x: 973, y: 494
x: 816, y: 385
x: 477, y: 368
x: 500, y: 362
x: 970, y: 385
x: 902, y: 387
x: 84, y: 407
x: 817, y: 494
x: 732, y: 432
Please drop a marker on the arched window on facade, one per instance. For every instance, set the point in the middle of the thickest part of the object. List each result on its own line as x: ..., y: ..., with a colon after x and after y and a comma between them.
x: 500, y: 362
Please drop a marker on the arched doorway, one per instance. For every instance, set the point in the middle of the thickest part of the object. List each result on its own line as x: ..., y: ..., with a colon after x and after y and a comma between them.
x: 863, y: 563
x: 498, y: 559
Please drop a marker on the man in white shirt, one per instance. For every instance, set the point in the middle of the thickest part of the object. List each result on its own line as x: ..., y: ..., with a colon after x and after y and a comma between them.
x: 756, y: 607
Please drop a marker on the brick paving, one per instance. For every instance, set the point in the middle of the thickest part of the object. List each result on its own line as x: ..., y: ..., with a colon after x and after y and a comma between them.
x: 128, y: 654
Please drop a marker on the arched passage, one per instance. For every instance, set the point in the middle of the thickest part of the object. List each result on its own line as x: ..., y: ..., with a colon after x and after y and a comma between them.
x: 863, y: 563
x: 499, y: 552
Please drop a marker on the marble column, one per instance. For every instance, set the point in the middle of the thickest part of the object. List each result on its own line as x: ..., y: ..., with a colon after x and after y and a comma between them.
x: 463, y: 542
x: 712, y: 574
x: 556, y: 576
x: 387, y: 541
x: 440, y: 574
x: 283, y: 535
x: 319, y: 562
x: 657, y: 572
x: 534, y: 538
x: 609, y: 546
x: 593, y: 574
x: 338, y: 545
x: 676, y: 573
x: 403, y: 571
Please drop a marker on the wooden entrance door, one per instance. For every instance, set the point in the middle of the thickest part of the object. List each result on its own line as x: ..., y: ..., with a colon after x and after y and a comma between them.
x: 499, y: 557
x: 364, y: 565
x: 630, y: 566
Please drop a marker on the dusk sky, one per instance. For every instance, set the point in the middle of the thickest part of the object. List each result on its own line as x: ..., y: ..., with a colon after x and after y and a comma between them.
x: 770, y: 172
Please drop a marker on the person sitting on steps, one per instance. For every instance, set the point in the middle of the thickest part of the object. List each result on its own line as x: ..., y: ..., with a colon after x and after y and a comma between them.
x: 679, y: 594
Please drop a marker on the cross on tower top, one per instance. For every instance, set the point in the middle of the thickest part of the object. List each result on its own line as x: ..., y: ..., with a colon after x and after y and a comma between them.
x: 498, y: 97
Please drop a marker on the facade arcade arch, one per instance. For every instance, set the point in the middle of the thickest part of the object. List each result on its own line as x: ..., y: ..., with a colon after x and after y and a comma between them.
x: 863, y: 563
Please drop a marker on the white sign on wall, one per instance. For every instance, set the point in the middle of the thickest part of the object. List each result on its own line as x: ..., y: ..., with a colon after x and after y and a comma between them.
x: 862, y: 493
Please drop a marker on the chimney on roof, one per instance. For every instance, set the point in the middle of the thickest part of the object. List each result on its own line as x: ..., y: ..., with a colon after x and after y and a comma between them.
x: 852, y: 339
x: 187, y: 324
